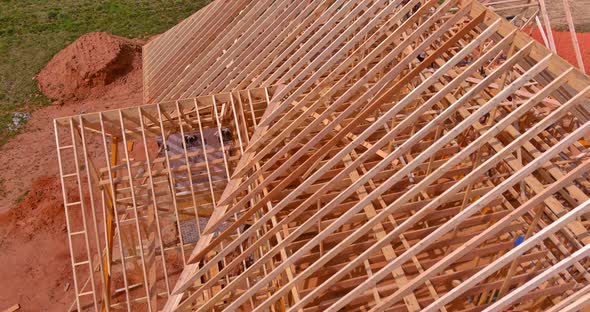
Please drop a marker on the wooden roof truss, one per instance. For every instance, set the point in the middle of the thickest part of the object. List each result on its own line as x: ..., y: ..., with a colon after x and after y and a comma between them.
x: 373, y: 155
x: 403, y: 159
x: 127, y: 236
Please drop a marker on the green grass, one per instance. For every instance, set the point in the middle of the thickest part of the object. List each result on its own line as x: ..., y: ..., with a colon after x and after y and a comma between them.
x: 31, y: 32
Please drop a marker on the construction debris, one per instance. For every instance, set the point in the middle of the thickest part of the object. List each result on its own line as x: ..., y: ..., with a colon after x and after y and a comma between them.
x: 336, y: 155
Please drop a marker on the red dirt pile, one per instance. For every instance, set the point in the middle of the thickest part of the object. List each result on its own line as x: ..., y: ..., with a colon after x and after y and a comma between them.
x: 565, y: 47
x: 97, y: 72
x: 41, y: 208
x: 89, y: 67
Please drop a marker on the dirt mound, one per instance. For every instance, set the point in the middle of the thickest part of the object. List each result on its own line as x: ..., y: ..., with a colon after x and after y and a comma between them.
x: 41, y: 209
x: 89, y: 67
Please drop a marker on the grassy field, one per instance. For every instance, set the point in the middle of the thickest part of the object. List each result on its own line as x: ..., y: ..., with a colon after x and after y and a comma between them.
x: 31, y: 32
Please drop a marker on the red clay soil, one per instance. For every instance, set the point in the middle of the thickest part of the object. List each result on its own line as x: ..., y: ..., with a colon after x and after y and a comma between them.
x: 87, y: 66
x: 106, y: 73
x: 35, y: 259
x: 565, y: 48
